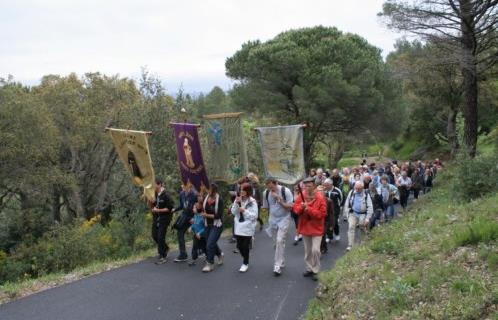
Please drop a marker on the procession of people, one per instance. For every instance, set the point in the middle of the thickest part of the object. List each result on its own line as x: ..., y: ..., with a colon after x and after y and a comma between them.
x: 365, y: 196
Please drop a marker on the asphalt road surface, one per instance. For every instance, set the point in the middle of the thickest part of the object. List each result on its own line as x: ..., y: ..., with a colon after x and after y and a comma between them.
x: 177, y: 291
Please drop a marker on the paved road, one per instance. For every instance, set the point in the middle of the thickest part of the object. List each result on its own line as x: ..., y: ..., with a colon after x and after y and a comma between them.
x: 177, y: 291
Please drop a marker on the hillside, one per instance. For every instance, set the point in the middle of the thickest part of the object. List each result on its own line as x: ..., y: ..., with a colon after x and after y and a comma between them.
x: 440, y: 261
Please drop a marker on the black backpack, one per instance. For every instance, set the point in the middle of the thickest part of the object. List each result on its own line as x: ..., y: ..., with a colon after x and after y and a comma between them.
x: 284, y: 197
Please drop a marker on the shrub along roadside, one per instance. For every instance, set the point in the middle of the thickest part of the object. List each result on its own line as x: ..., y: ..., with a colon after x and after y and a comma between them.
x: 438, y: 262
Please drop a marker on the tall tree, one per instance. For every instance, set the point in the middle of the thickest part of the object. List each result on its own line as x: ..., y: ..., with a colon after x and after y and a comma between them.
x: 332, y: 81
x: 467, y: 28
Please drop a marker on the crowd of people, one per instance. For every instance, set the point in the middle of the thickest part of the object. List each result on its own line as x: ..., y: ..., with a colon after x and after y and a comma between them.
x: 365, y: 196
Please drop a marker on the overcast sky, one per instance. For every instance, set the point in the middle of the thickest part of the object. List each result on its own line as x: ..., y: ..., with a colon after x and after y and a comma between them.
x: 183, y: 42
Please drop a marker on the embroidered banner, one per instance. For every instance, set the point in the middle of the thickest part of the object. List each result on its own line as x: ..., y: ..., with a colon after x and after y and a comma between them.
x: 283, y: 154
x: 190, y: 162
x: 227, y: 156
x: 133, y: 150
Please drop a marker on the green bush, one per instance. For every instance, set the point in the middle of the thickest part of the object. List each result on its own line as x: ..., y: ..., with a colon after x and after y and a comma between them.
x: 480, y: 231
x: 65, y: 248
x: 474, y: 178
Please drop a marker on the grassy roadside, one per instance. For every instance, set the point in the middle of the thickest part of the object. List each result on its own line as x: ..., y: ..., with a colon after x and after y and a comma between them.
x: 440, y: 261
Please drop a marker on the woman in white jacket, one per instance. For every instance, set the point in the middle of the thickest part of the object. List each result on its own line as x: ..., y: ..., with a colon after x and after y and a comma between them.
x: 245, y: 210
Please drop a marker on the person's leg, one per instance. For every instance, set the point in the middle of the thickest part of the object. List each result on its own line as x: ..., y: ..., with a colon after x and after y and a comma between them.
x: 210, y: 244
x: 195, y: 248
x: 217, y: 251
x: 280, y: 245
x: 336, y: 224
x: 246, y: 242
x: 351, y: 229
x: 307, y: 241
x: 415, y: 193
x: 315, y: 254
x: 181, y: 244
x: 161, y: 236
x: 154, y: 233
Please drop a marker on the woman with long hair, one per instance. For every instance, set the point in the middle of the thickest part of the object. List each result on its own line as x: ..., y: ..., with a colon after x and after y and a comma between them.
x: 213, y: 215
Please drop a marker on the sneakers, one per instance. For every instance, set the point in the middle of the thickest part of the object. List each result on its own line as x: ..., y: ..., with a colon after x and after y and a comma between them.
x: 208, y: 267
x: 191, y: 263
x: 277, y: 271
x: 181, y: 259
x: 244, y: 268
x: 348, y: 248
x: 161, y: 261
x: 314, y: 277
x: 220, y: 259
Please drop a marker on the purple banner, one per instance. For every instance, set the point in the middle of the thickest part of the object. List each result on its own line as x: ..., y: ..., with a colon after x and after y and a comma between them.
x: 189, y: 153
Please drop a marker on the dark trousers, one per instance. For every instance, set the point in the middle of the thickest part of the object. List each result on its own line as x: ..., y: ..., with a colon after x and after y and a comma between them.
x: 244, y: 244
x: 416, y: 193
x: 295, y: 217
x: 403, y: 196
x: 336, y: 220
x: 198, y: 245
x: 375, y: 218
x: 181, y: 241
x: 212, y: 249
x: 160, y: 223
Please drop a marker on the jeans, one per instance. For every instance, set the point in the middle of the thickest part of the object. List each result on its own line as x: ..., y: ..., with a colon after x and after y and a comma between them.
x: 243, y: 244
x: 160, y: 223
x: 389, y: 212
x: 212, y: 249
x: 181, y: 241
x: 199, y: 245
x: 336, y: 220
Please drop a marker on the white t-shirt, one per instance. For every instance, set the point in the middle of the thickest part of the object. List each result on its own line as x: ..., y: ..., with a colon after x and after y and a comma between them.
x: 278, y: 214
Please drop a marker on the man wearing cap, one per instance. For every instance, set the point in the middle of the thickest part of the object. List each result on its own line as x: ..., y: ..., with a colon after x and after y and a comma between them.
x: 311, y: 207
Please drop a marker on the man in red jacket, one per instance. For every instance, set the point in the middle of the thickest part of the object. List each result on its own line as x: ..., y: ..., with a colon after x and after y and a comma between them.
x: 311, y: 207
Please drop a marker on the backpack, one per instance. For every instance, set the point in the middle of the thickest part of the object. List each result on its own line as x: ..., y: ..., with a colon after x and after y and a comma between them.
x: 351, y: 199
x: 282, y: 191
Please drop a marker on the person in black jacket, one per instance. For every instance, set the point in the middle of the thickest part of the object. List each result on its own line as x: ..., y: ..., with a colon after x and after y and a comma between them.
x: 188, y: 197
x: 162, y: 211
x: 213, y: 215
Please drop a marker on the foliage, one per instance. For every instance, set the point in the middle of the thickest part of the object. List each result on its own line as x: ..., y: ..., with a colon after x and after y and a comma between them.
x: 425, y: 265
x: 67, y: 247
x: 334, y: 82
x: 474, y: 178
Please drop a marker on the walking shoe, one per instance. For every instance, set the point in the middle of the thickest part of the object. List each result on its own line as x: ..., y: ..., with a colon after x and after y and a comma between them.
x: 162, y: 260
x: 208, y: 267
x: 243, y: 268
x: 220, y: 259
x: 191, y: 263
x: 314, y: 277
x: 180, y: 259
x: 300, y: 237
x: 277, y: 271
x: 296, y: 240
x: 232, y: 240
x: 348, y: 248
x: 308, y: 274
x: 235, y: 251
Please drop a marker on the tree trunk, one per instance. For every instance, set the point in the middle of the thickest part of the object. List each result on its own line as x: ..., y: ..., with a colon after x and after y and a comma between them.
x: 469, y: 73
x: 335, y: 154
x: 451, y: 131
x: 56, y: 205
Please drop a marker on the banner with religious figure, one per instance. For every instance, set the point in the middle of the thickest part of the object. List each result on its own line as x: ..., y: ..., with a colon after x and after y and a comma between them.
x: 227, y: 156
x: 132, y: 148
x: 190, y: 162
x: 283, y: 154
